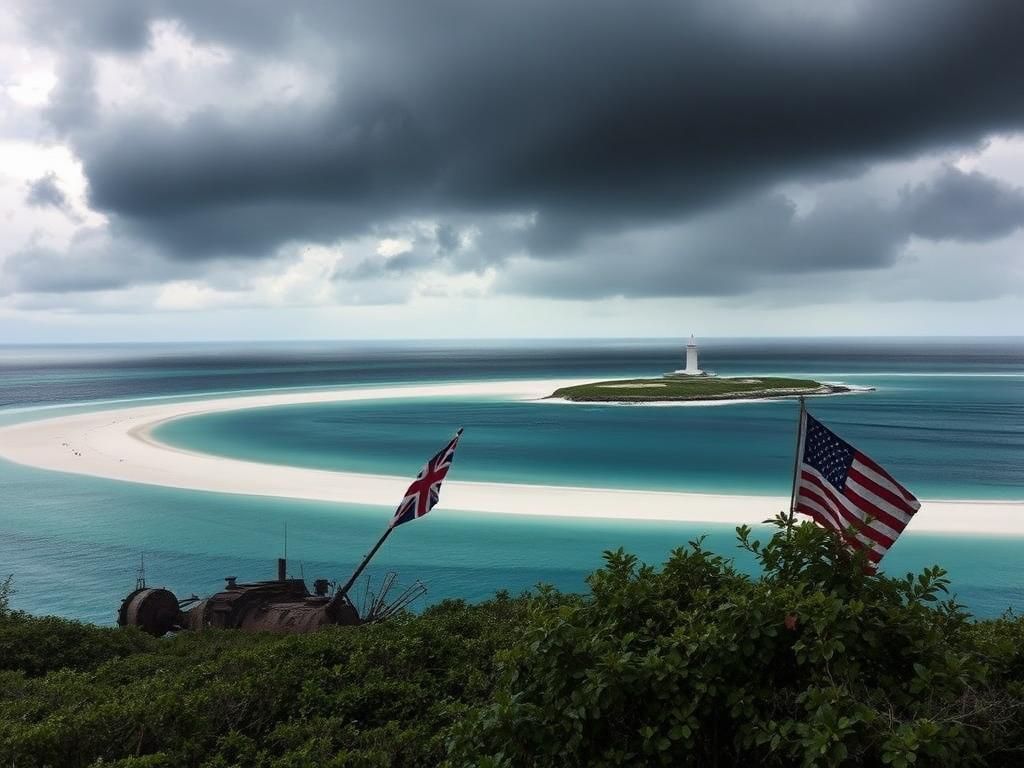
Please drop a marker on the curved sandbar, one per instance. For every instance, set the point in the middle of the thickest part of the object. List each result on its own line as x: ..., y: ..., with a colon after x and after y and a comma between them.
x: 695, y: 389
x: 117, y: 444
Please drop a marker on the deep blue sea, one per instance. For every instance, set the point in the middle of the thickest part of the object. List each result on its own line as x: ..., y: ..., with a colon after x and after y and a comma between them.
x: 946, y: 417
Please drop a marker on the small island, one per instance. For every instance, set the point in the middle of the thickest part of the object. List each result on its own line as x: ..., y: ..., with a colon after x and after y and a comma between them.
x: 680, y: 388
x: 693, y: 384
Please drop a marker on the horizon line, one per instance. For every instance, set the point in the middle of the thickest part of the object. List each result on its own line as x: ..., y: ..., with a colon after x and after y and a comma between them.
x: 467, y: 339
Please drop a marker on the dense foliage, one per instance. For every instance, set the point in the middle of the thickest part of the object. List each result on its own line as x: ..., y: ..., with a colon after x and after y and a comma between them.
x: 379, y: 695
x: 816, y: 661
x: 5, y: 593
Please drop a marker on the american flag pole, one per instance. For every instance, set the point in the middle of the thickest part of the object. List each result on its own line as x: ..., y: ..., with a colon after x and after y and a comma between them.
x: 796, y: 462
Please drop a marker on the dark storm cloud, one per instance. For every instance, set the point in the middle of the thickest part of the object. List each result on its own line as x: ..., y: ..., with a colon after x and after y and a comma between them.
x: 595, y: 112
x: 437, y: 248
x: 372, y: 268
x: 104, y: 25
x: 964, y: 206
x: 728, y: 251
x: 448, y: 239
x: 116, y: 25
x: 45, y: 192
x: 638, y: 138
x: 72, y: 106
x: 48, y: 270
x: 763, y: 241
x: 92, y: 262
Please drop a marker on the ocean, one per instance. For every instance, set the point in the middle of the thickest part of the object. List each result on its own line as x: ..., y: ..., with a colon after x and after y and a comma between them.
x: 946, y: 417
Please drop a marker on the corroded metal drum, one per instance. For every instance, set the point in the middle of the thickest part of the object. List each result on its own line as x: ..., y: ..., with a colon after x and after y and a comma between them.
x: 153, y: 610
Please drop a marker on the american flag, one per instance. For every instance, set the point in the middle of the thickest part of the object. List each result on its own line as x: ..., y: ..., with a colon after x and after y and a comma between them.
x: 843, y: 489
x: 425, y: 489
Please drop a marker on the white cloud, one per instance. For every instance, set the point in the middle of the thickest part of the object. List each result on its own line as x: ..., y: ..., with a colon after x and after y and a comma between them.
x: 22, y: 225
x: 1002, y: 156
x: 190, y: 295
x: 287, y: 282
x: 466, y: 285
x: 306, y: 282
x: 389, y: 247
x: 29, y: 72
x: 32, y: 88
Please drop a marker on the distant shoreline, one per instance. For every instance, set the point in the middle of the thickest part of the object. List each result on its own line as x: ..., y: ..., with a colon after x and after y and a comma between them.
x: 118, y: 444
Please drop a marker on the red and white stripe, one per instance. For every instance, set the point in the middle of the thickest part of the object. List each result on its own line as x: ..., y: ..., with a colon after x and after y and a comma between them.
x: 870, y: 513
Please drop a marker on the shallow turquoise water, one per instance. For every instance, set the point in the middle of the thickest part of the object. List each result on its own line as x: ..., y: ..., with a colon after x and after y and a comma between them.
x: 74, y: 551
x: 73, y: 542
x: 943, y: 436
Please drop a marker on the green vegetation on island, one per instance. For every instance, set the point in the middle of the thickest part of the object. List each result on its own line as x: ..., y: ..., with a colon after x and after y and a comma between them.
x: 814, y: 661
x: 675, y: 388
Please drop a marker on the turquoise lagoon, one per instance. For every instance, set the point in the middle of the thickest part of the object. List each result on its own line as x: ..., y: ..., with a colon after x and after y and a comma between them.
x: 948, y: 422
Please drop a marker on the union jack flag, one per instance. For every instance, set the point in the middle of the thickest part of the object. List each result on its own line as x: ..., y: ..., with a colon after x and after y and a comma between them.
x: 425, y: 489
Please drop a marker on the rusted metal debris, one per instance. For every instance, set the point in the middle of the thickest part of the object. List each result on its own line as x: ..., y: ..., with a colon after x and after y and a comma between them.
x: 286, y: 605
x: 283, y: 605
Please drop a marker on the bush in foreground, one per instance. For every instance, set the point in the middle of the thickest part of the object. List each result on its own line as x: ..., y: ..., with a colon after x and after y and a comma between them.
x: 817, y: 662
x: 814, y: 662
x: 382, y: 695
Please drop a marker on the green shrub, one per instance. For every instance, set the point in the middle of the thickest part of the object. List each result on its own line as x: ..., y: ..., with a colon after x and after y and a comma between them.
x: 37, y: 645
x: 816, y: 662
x: 383, y: 694
x: 6, y: 589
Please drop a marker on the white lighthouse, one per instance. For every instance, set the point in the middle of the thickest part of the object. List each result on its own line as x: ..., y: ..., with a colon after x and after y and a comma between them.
x: 692, y: 366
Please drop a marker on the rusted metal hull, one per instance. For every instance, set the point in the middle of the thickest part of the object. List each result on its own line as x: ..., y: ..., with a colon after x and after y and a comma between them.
x: 283, y: 606
x: 270, y: 606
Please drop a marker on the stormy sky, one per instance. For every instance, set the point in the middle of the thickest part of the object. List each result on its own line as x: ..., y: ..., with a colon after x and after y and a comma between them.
x: 197, y: 170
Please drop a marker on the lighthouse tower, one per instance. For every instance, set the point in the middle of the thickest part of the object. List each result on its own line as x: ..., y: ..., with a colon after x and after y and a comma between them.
x: 692, y: 367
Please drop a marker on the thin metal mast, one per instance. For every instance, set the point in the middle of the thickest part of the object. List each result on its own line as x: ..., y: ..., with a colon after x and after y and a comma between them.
x: 796, y: 459
x: 366, y: 560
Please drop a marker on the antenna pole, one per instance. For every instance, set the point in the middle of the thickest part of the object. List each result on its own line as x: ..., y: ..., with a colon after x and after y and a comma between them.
x: 796, y: 460
x: 366, y: 560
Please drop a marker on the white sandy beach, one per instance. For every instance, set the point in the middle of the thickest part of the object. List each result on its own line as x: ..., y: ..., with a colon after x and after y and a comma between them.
x: 118, y: 444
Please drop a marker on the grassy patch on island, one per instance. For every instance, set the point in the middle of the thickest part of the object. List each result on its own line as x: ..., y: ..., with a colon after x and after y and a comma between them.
x: 689, y: 388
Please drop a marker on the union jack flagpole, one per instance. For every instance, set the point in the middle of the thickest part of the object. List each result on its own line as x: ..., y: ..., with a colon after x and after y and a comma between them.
x: 366, y: 560
x: 419, y: 499
x: 796, y: 460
